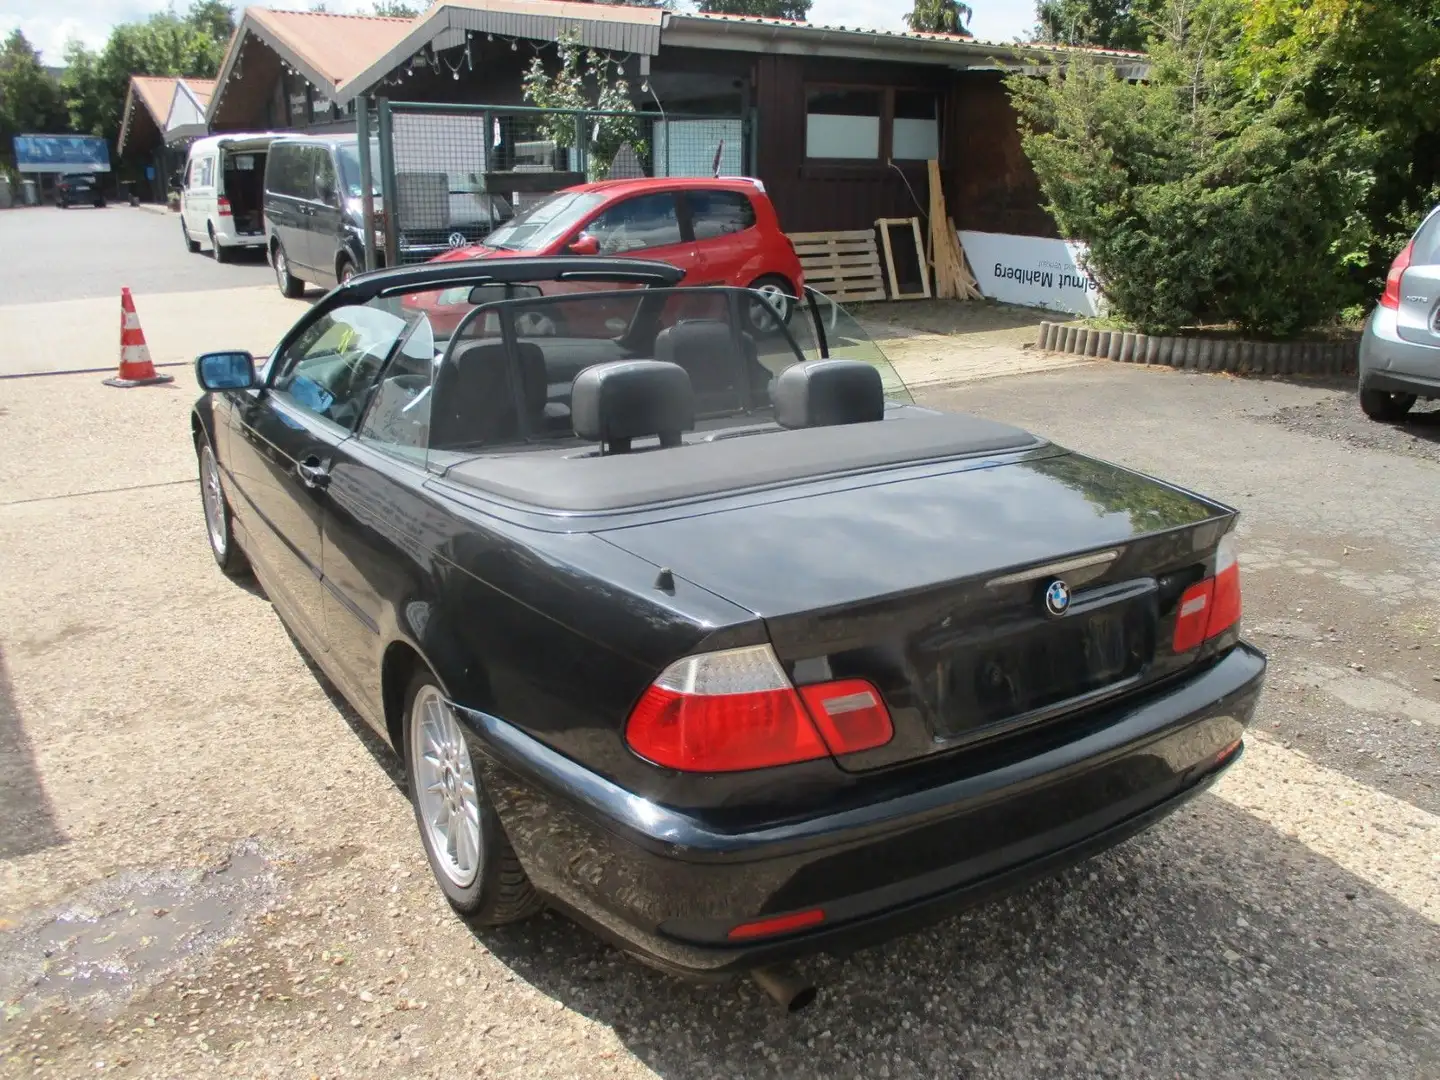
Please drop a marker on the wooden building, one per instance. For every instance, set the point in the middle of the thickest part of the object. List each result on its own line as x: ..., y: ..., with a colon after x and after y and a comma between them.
x: 837, y: 123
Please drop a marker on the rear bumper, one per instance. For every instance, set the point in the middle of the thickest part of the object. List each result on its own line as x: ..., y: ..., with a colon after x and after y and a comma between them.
x: 1389, y: 362
x: 668, y: 887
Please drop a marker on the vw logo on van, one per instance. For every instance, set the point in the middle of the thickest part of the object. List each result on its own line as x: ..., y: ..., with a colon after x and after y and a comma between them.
x: 457, y: 239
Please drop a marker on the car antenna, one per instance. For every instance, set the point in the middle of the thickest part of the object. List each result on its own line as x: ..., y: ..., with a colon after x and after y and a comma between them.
x: 665, y: 580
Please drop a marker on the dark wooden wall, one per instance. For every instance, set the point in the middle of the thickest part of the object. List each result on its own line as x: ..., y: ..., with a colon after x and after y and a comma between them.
x: 989, y: 185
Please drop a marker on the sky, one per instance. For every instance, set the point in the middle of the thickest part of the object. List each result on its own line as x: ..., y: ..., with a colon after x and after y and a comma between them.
x: 50, y: 23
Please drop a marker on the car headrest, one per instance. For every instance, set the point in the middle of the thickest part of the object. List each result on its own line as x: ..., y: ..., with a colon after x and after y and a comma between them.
x: 825, y: 392
x: 628, y: 399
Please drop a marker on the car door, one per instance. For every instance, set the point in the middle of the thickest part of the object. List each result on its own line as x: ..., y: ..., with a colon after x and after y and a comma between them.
x: 323, y: 225
x: 379, y: 522
x: 282, y: 448
x: 289, y: 181
x: 189, y: 206
x: 645, y: 226
x: 723, y: 225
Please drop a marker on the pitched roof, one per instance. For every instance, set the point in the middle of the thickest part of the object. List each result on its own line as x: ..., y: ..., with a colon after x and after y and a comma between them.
x: 157, y: 94
x: 335, y: 47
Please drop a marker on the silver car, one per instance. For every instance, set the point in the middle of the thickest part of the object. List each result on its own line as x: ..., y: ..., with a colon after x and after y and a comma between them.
x: 1400, y: 348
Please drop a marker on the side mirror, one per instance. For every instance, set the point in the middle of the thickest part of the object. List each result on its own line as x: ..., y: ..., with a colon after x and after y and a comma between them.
x: 585, y: 244
x: 225, y: 371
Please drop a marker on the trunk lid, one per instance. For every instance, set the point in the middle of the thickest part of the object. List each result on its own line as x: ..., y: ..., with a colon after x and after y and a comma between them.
x: 1418, y: 318
x: 934, y: 587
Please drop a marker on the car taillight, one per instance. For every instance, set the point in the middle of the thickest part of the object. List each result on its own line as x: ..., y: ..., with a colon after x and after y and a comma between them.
x: 1390, y: 298
x: 736, y: 709
x: 1212, y: 606
x: 222, y: 206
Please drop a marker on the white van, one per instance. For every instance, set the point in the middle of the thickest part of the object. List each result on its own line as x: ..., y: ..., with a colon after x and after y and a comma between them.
x: 222, y: 193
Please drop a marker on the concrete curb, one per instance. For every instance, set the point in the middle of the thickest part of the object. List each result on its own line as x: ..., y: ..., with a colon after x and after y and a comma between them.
x: 1204, y: 354
x: 156, y: 208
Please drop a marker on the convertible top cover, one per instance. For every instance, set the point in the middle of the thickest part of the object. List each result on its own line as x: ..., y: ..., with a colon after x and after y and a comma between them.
x: 567, y: 481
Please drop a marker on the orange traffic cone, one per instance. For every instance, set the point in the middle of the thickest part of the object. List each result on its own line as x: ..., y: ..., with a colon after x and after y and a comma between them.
x: 135, y: 366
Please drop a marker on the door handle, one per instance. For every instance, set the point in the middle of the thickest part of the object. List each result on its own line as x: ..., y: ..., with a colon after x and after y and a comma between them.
x: 314, y: 473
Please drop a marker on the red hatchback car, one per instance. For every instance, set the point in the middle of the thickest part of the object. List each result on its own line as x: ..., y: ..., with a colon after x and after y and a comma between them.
x: 720, y: 231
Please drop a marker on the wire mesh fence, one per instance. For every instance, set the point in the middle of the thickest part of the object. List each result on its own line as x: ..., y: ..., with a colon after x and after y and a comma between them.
x: 451, y: 174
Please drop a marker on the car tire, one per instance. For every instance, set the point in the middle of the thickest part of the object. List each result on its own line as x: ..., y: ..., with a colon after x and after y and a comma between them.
x: 488, y: 887
x: 100, y: 205
x: 344, y: 271
x: 1384, y: 406
x: 780, y: 292
x: 218, y: 252
x: 290, y: 286
x: 219, y: 522
x: 192, y: 246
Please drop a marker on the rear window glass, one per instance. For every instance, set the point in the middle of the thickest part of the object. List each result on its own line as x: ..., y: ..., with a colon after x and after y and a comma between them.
x: 719, y: 213
x: 1426, y: 250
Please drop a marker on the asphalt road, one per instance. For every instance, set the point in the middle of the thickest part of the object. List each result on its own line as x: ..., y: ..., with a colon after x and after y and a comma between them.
x: 206, y: 868
x: 83, y: 252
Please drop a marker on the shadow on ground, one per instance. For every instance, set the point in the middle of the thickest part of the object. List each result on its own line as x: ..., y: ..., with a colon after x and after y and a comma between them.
x: 27, y: 819
x: 1223, y: 947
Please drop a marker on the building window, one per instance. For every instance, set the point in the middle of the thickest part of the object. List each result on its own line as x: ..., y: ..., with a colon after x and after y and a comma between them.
x: 843, y: 124
x: 871, y: 124
x: 916, y: 130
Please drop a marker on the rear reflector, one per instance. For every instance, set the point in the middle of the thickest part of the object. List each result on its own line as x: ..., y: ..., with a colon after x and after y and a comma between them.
x: 779, y: 925
x: 1390, y: 298
x: 222, y: 206
x: 850, y: 715
x: 736, y: 709
x: 1212, y: 606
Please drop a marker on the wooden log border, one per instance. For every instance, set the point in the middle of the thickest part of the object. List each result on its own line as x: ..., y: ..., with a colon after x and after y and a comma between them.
x: 1203, y: 354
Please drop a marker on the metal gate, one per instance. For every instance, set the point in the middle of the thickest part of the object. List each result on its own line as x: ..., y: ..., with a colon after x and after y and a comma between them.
x: 449, y: 174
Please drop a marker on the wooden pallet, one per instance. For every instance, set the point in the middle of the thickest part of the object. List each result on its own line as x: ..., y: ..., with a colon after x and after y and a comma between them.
x: 845, y: 266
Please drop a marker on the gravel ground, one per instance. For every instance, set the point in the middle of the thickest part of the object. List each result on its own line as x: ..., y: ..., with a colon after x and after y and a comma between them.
x: 207, y: 867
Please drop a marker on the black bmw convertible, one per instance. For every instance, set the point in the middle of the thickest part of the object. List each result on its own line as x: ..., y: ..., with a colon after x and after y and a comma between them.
x: 688, y: 622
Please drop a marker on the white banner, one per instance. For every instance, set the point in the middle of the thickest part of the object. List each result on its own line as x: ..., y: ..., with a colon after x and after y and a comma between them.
x: 1033, y: 271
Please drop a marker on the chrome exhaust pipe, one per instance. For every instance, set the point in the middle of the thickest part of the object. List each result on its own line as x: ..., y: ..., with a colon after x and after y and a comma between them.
x: 791, y: 990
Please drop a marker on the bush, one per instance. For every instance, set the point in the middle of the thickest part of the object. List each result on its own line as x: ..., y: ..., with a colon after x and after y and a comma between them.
x: 1200, y: 205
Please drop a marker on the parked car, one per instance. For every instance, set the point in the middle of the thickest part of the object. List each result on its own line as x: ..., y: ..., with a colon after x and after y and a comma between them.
x: 720, y: 231
x: 314, y: 211
x: 1400, y: 346
x: 721, y: 645
x: 77, y: 188
x: 222, y: 193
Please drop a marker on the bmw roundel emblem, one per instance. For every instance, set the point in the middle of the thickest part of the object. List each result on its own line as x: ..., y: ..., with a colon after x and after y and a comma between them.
x: 457, y: 239
x: 1057, y: 598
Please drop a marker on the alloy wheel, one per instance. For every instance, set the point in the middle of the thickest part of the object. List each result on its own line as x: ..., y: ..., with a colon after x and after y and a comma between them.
x: 445, y: 788
x: 214, y: 501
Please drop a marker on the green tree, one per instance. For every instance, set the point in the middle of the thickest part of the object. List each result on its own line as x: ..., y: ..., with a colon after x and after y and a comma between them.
x: 394, y: 9
x: 95, y: 84
x: 939, y: 16
x: 583, y: 73
x: 798, y: 10
x: 1202, y: 200
x: 29, y: 97
x: 1376, y: 65
x: 1111, y: 24
x: 214, y: 17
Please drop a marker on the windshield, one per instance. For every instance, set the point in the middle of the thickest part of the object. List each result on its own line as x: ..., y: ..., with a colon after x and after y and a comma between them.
x: 349, y: 154
x: 545, y: 222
